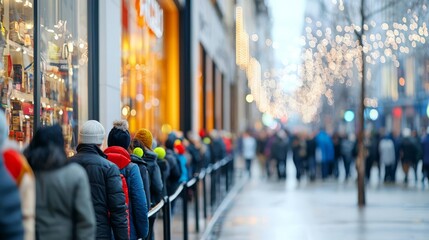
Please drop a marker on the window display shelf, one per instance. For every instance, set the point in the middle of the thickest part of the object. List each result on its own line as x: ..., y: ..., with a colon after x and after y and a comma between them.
x: 27, y: 97
x: 15, y: 46
x: 23, y: 97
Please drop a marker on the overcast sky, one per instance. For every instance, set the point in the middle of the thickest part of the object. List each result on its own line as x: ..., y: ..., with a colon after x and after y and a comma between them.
x: 288, y: 19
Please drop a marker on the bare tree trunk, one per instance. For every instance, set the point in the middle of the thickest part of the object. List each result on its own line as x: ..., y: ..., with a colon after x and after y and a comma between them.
x: 360, y: 162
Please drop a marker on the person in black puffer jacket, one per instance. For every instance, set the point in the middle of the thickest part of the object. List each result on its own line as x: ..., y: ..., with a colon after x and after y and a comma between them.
x: 108, y: 197
x: 144, y: 139
x: 163, y: 166
x: 175, y: 171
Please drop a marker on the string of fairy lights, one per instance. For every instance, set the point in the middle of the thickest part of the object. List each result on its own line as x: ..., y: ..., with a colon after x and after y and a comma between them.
x: 330, y: 55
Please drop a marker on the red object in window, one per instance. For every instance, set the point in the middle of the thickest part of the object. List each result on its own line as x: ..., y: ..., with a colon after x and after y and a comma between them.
x: 397, y: 112
x: 28, y: 108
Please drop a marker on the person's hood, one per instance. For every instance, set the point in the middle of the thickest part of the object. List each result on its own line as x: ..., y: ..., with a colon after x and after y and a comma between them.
x: 137, y: 159
x: 149, y: 156
x: 118, y: 156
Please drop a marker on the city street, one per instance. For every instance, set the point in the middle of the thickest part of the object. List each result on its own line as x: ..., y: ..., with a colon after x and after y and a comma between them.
x: 269, y: 209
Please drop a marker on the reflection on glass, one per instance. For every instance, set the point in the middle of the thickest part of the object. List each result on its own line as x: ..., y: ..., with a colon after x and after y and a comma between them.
x: 64, y: 66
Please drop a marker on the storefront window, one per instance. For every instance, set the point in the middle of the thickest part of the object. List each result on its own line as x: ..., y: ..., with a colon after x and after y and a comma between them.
x: 150, y: 79
x: 16, y: 67
x: 64, y: 65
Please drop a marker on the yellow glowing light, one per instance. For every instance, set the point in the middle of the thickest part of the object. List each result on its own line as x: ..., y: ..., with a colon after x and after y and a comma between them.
x: 249, y: 98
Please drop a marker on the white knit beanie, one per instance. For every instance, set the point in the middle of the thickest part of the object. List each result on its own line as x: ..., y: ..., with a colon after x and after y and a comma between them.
x: 92, y: 132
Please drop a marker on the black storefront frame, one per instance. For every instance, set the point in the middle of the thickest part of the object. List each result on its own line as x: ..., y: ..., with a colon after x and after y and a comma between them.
x: 93, y: 63
x: 185, y: 65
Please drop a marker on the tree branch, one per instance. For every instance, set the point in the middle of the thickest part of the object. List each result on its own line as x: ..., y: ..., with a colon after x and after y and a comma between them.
x: 383, y: 8
x: 349, y: 20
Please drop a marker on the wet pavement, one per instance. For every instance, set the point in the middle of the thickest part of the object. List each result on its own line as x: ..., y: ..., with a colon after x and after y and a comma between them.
x: 272, y: 209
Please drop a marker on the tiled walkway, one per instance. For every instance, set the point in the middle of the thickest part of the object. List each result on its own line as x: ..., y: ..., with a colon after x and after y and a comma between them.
x: 269, y: 209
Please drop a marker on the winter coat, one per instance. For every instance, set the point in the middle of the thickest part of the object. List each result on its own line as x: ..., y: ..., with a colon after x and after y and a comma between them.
x: 10, y: 207
x: 175, y: 172
x: 279, y: 149
x: 165, y: 172
x: 218, y: 149
x: 145, y: 176
x: 106, y: 191
x: 183, y: 161
x: 347, y: 147
x: 196, y: 158
x: 425, y: 149
x: 326, y: 146
x: 249, y: 148
x: 387, y: 151
x: 139, y: 223
x: 155, y: 178
x: 408, y: 150
x: 63, y: 204
x: 311, y: 148
x: 21, y: 172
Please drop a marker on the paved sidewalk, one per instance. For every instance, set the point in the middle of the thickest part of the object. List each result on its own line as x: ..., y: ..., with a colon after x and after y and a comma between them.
x: 269, y: 209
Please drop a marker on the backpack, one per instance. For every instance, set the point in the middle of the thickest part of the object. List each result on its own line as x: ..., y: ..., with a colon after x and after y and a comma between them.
x: 127, y: 200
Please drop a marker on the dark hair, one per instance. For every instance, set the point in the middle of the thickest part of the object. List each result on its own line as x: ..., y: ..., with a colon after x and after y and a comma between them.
x: 45, y: 158
x: 46, y: 150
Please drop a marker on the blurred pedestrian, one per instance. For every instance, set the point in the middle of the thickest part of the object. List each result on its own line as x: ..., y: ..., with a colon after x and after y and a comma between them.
x: 11, y: 227
x: 417, y: 143
x: 408, y: 152
x: 279, y: 150
x: 108, y: 197
x: 180, y: 151
x: 425, y: 153
x: 326, y: 149
x: 136, y: 158
x: 118, y: 142
x: 347, y: 148
x: 249, y: 150
x: 144, y: 139
x: 63, y: 199
x: 175, y: 170
x: 164, y: 166
x: 311, y: 156
x: 373, y: 156
x: 21, y: 172
x: 387, y: 158
x: 337, y: 140
x: 218, y: 148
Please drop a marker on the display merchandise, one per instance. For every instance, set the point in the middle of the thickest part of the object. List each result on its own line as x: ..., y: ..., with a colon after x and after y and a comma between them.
x: 63, y: 50
x: 16, y: 71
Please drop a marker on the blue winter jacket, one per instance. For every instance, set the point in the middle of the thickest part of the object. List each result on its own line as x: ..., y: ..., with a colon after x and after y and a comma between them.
x: 324, y: 142
x: 137, y: 206
x: 184, y: 175
x: 10, y: 207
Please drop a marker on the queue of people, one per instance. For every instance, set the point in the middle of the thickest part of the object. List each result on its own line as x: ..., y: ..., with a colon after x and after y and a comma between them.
x: 97, y: 193
x: 321, y: 155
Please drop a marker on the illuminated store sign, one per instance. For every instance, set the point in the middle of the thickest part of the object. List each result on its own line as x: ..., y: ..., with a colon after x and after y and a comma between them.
x: 153, y: 14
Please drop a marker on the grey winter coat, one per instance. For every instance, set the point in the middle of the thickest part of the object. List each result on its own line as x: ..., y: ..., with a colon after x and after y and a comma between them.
x: 63, y: 204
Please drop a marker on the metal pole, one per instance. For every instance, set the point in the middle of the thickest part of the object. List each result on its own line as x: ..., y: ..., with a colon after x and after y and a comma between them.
x: 37, y: 63
x: 212, y: 189
x: 185, y: 212
x: 197, y: 207
x: 166, y: 210
x: 204, y: 197
x: 226, y: 169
